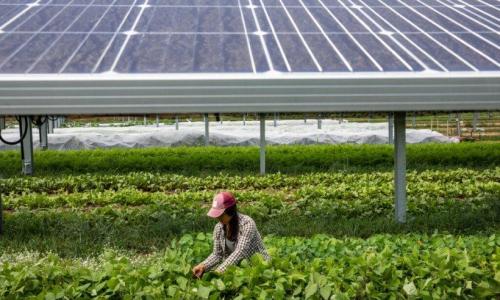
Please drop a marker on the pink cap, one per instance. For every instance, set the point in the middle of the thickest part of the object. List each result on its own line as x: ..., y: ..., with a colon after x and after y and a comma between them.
x: 221, y: 201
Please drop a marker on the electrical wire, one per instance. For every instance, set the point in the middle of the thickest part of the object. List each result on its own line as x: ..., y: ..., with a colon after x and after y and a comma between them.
x: 23, y: 134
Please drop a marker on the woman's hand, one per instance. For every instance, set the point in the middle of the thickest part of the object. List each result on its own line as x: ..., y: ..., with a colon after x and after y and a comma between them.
x: 199, y: 270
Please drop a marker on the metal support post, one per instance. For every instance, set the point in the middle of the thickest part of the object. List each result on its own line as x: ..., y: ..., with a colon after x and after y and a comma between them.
x: 390, y: 121
x: 475, y: 119
x: 26, y: 145
x: 145, y: 120
x: 319, y: 121
x: 275, y: 119
x: 2, y: 123
x: 157, y: 120
x: 176, y: 122
x: 262, y: 143
x: 414, y: 120
x: 43, y: 133
x: 305, y: 118
x: 448, y: 125
x: 244, y: 119
x: 50, y: 122
x: 400, y: 166
x: 207, y: 138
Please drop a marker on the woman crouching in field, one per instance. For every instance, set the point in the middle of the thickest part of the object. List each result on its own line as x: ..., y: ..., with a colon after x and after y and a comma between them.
x: 235, y: 237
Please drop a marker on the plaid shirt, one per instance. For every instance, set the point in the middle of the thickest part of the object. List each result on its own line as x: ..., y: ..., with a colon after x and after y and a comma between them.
x: 248, y: 242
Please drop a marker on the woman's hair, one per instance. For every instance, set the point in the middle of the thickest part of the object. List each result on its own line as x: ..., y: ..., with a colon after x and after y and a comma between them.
x: 233, y: 225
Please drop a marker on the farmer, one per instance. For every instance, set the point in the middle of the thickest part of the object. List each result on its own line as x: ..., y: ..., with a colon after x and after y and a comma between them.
x: 235, y: 236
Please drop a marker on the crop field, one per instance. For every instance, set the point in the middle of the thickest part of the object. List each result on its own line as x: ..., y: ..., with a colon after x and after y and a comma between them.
x: 130, y: 224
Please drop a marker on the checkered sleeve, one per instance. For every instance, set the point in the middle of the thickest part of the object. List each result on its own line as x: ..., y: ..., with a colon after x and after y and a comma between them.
x: 244, y: 247
x: 216, y: 256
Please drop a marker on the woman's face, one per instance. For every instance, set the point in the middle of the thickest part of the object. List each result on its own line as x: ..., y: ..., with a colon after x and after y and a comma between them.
x: 224, y: 219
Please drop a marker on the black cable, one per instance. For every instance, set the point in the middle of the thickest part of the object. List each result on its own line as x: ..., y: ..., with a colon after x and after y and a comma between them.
x: 23, y: 134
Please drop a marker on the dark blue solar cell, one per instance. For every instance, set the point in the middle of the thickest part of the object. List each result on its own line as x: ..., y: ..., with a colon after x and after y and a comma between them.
x: 326, y: 21
x: 236, y: 55
x: 303, y: 21
x: 9, y: 44
x: 299, y: 58
x: 209, y: 19
x: 467, y: 52
x: 475, y: 2
x: 260, y: 12
x: 358, y: 60
x: 419, y: 21
x: 26, y: 17
x: 332, y: 3
x: 345, y: 17
x: 130, y: 20
x: 64, y: 19
x: 88, y: 19
x: 108, y: 53
x: 487, y: 12
x: 7, y: 12
x: 88, y: 54
x: 381, y: 53
x: 325, y: 54
x: 250, y: 23
x: 269, y: 3
x: 277, y: 57
x: 258, y: 54
x: 42, y: 19
x: 53, y: 58
x: 173, y: 53
x: 148, y: 53
x: 471, y: 23
x: 17, y: 2
x: 280, y: 20
x: 288, y: 2
x: 392, y: 17
x: 445, y: 23
x: 174, y: 20
x: 445, y: 56
x: 406, y: 54
x: 426, y: 58
x: 486, y: 44
x: 208, y: 54
x: 27, y: 54
x: 58, y: 2
x: 112, y: 19
x: 194, y: 3
x: 231, y: 20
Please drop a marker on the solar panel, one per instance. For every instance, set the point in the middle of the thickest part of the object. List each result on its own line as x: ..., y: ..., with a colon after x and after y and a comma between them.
x: 248, y: 36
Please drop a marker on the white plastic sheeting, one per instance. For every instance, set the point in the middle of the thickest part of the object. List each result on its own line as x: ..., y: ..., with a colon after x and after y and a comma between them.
x: 229, y: 133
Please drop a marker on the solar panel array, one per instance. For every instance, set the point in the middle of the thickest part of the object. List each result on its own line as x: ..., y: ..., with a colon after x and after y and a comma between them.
x: 249, y: 36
